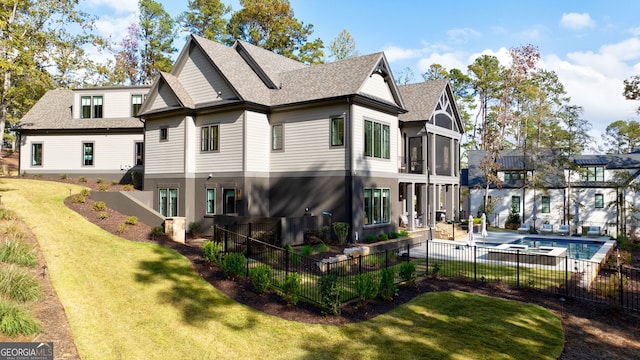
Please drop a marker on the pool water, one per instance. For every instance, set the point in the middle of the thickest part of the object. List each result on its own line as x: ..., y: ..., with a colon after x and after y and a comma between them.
x: 576, y: 249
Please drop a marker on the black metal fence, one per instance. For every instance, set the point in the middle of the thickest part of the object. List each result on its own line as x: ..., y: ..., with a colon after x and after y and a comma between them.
x: 571, y: 278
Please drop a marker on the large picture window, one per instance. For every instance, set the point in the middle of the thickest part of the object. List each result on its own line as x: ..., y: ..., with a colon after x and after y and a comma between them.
x: 168, y: 199
x: 377, y: 141
x: 337, y: 131
x: 376, y: 206
x: 209, y: 138
x: 211, y: 201
x: 36, y: 154
x: 87, y: 154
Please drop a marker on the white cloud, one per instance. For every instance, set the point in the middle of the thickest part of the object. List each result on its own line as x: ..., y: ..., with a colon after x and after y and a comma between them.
x: 462, y: 35
x: 117, y: 6
x: 115, y: 27
x: 395, y: 53
x: 447, y: 60
x: 575, y: 21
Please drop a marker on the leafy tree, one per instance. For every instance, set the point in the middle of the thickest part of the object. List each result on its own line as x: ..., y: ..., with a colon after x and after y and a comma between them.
x: 271, y: 24
x: 206, y: 18
x: 157, y: 32
x: 125, y: 68
x: 622, y: 136
x: 38, y: 51
x: 632, y: 89
x: 343, y: 47
x: 486, y: 76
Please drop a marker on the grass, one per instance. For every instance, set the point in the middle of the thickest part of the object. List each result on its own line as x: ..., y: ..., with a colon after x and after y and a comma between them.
x: 19, y: 285
x: 17, y: 252
x: 16, y: 319
x: 129, y: 300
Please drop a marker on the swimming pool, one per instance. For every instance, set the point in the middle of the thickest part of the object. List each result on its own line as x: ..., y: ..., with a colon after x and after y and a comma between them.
x: 576, y: 248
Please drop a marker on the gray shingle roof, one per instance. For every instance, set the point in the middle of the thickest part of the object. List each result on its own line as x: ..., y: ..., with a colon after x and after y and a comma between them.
x: 270, y: 63
x: 178, y: 90
x: 421, y: 99
x: 53, y: 112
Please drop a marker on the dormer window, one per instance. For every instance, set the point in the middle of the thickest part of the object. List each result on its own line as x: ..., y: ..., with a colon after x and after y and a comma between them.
x: 592, y: 173
x: 90, y: 107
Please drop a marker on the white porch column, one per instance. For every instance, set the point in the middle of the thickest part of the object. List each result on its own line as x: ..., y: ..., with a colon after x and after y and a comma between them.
x: 411, y: 209
x: 422, y: 204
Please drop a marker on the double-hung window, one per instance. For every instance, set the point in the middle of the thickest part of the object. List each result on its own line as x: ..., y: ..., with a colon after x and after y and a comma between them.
x: 209, y: 138
x: 337, y: 131
x: 277, y: 137
x: 376, y: 206
x: 36, y: 154
x: 377, y: 139
x: 90, y: 107
x: 87, y: 154
x: 136, y: 104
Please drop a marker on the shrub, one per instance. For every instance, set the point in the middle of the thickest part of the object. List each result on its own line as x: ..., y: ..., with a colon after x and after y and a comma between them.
x: 63, y: 176
x: 366, y: 287
x: 16, y: 319
x: 383, y: 237
x: 18, y: 285
x: 12, y: 228
x: 370, y: 238
x: 307, y: 250
x: 103, y: 187
x: 260, y: 277
x: 99, y: 206
x: 103, y: 215
x: 212, y: 252
x: 291, y: 288
x: 435, y: 271
x: 132, y: 220
x: 234, y: 265
x: 78, y: 199
x: 115, y: 182
x: 99, y: 180
x: 342, y: 231
x: 322, y: 247
x: 294, y: 258
x: 388, y: 288
x: 85, y: 192
x: 7, y: 214
x: 127, y: 187
x: 122, y: 228
x: 408, y: 272
x: 194, y: 228
x: 404, y: 233
x: 157, y: 231
x: 17, y: 252
x: 82, y: 179
x: 330, y: 294
x: 394, y: 235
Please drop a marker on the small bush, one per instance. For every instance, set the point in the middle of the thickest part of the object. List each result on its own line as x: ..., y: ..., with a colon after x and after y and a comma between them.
x: 99, y: 180
x: 260, y: 277
x: 115, y: 182
x: 404, y: 233
x: 63, y: 176
x: 127, y: 187
x: 195, y: 228
x: 99, y: 206
x: 322, y: 247
x: 82, y: 179
x: 370, y: 239
x: 16, y: 319
x: 435, y: 271
x: 156, y: 231
x: 78, y: 199
x: 17, y: 252
x: 291, y: 288
x: 342, y: 231
x: 234, y: 265
x: 122, y: 228
x: 307, y: 250
x: 18, y: 285
x: 7, y: 214
x: 103, y: 215
x: 366, y: 287
x: 12, y: 228
x: 103, y: 187
x: 388, y: 288
x: 408, y: 272
x: 85, y: 192
x: 394, y: 235
x: 330, y: 294
x: 383, y: 237
x: 132, y: 220
x: 212, y: 252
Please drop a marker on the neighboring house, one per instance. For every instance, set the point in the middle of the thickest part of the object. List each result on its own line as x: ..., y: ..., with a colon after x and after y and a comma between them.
x: 593, y: 191
x: 92, y: 132
x: 241, y: 131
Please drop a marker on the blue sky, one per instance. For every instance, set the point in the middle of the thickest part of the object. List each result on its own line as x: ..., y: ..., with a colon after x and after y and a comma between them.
x: 592, y: 45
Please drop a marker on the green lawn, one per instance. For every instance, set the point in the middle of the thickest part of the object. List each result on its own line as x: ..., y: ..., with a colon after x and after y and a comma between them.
x: 138, y: 301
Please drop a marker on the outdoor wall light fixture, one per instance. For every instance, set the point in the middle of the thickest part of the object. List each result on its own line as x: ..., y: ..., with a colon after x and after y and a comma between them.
x: 209, y: 177
x: 326, y: 213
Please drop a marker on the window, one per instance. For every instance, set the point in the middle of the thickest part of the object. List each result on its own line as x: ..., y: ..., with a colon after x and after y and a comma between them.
x: 337, y: 131
x: 515, y: 204
x: 376, y: 206
x: 599, y: 201
x: 514, y: 175
x: 87, y: 154
x: 168, y: 199
x: 36, y: 154
x: 592, y: 173
x: 139, y: 151
x: 209, y: 138
x: 546, y: 204
x: 276, y: 137
x: 136, y: 104
x: 443, y: 155
x: 90, y: 107
x: 164, y: 134
x: 377, y: 140
x: 211, y: 201
x: 229, y: 198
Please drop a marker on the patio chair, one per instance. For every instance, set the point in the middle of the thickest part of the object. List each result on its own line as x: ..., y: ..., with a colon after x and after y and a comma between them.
x: 564, y: 229
x: 524, y: 228
x: 594, y: 231
x: 547, y: 229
